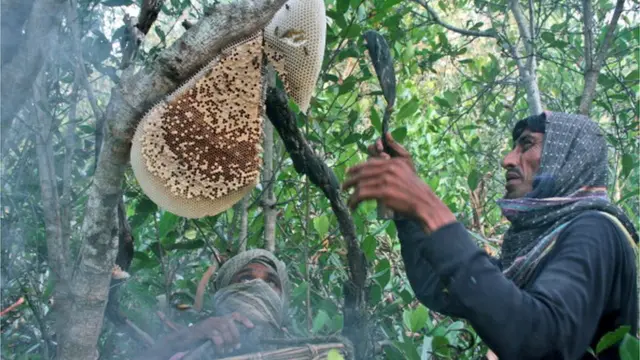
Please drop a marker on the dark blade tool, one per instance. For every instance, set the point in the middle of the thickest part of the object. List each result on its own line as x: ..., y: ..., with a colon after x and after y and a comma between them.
x: 383, y: 65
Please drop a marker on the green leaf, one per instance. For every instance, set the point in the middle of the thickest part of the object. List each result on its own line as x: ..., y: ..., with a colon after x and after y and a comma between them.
x: 399, y: 134
x: 451, y: 97
x: 630, y: 348
x: 342, y: 6
x: 190, y: 234
x: 627, y: 165
x: 321, y: 319
x: 353, y: 138
x: 406, y: 318
x: 391, y: 230
x: 419, y: 318
x: 548, y: 37
x: 334, y: 354
x: 376, y: 122
x: 369, y: 247
x: 160, y: 33
x: 611, y: 338
x: 473, y: 179
x: 338, y: 18
x: 166, y: 224
x: 442, y: 102
x: 383, y: 272
x: 375, y: 294
x: 441, y: 346
x: 408, y: 109
x: 300, y: 291
x: 146, y: 206
x: 348, y: 85
x: 321, y: 224
x: 354, y: 30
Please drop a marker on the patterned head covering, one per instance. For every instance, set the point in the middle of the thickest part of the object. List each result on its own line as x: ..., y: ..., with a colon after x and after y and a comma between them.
x: 571, y: 180
x: 254, y: 299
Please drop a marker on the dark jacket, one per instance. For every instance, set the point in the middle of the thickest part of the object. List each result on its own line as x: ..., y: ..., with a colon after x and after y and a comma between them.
x: 585, y: 287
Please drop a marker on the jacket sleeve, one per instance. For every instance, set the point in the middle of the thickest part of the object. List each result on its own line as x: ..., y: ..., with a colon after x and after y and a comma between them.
x: 425, y: 282
x: 557, y: 315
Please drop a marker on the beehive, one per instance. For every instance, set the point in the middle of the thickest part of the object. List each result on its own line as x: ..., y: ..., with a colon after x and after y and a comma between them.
x: 198, y: 153
x: 294, y: 43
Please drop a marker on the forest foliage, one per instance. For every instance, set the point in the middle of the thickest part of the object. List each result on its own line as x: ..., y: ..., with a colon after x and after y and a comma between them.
x: 459, y: 66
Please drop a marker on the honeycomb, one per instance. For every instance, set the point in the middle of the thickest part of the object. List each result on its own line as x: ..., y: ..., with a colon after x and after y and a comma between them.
x: 294, y: 44
x: 198, y: 152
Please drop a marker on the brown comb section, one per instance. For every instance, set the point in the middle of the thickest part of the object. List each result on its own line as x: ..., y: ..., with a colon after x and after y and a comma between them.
x: 202, y: 146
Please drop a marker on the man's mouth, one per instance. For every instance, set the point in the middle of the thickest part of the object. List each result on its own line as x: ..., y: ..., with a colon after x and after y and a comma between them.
x: 512, y: 177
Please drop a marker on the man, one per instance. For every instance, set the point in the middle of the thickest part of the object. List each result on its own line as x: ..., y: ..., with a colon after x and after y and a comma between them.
x: 251, y: 301
x: 567, y: 273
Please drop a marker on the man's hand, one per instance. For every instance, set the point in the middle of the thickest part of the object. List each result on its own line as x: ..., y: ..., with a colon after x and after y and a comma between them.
x: 223, y: 331
x: 376, y: 150
x: 395, y: 182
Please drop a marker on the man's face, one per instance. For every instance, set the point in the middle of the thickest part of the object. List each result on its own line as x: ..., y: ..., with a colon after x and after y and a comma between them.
x: 258, y: 271
x: 522, y: 164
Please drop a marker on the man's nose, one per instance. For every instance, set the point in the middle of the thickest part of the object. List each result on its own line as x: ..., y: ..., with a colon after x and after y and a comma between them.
x: 510, y: 161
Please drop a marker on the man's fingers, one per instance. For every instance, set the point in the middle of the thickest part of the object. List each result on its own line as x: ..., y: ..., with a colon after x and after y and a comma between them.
x: 368, y: 189
x: 362, y: 174
x: 399, y: 150
x: 376, y: 148
x: 227, y: 335
x: 217, y: 340
x: 233, y: 332
x: 242, y: 319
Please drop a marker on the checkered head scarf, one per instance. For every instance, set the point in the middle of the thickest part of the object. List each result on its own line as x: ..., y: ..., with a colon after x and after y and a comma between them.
x: 254, y: 299
x: 571, y: 180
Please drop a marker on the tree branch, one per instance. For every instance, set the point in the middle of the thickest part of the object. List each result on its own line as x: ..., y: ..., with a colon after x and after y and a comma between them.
x: 130, y: 99
x: 461, y: 31
x: 527, y: 71
x: 587, y: 19
x: 81, y: 73
x: 592, y: 71
x: 308, y: 163
x: 268, y: 174
x: 20, y: 73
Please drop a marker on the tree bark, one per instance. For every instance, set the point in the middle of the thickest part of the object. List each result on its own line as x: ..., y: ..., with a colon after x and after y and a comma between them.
x: 307, y: 162
x: 81, y: 73
x: 527, y: 70
x: 57, y: 244
x: 594, y: 65
x: 19, y: 74
x: 244, y: 224
x: 129, y: 101
x: 268, y: 178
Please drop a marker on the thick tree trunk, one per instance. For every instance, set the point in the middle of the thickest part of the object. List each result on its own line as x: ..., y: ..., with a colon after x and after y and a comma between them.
x: 129, y: 101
